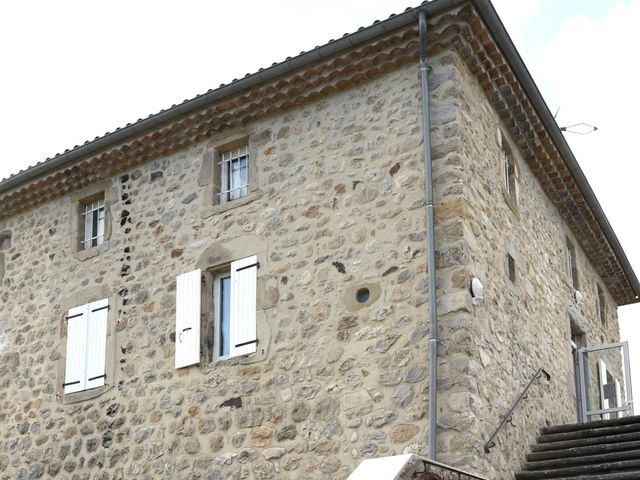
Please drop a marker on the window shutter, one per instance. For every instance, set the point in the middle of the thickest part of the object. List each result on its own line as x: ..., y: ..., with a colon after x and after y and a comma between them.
x: 243, y: 306
x: 602, y: 373
x: 188, y: 319
x: 74, y: 375
x: 97, y: 313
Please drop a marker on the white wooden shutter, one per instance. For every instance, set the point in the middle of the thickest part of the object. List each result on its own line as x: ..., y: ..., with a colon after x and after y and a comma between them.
x: 604, y: 401
x: 74, y: 374
x: 188, y: 319
x: 97, y: 313
x: 243, y: 306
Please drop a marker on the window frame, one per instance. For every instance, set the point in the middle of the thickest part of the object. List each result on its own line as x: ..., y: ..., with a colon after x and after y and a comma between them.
x: 104, y: 190
x: 572, y: 264
x: 227, y: 190
x: 198, y: 326
x: 210, y: 174
x: 84, y: 318
x: 217, y: 319
x: 510, y: 171
x: 93, y: 231
x: 79, y: 299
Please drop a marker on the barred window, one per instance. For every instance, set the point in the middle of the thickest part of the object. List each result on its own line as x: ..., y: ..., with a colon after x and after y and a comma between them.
x: 93, y: 221
x: 234, y: 174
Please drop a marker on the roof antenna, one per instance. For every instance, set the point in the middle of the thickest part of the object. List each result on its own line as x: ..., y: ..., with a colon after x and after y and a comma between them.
x: 579, y: 128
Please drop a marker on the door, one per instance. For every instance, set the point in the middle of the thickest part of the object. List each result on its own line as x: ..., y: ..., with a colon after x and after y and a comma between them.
x: 604, y: 378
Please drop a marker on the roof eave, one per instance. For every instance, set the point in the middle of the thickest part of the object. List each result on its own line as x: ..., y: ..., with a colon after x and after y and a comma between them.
x: 188, y: 106
x: 504, y: 42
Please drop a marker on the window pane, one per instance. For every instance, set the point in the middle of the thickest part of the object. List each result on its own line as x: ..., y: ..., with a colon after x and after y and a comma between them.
x: 94, y: 228
x: 100, y: 230
x: 238, y: 177
x: 234, y: 174
x: 224, y: 187
x: 224, y: 318
x: 87, y: 229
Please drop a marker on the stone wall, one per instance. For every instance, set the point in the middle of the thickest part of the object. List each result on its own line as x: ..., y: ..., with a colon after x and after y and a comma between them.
x: 520, y: 326
x: 339, y: 204
x: 336, y: 204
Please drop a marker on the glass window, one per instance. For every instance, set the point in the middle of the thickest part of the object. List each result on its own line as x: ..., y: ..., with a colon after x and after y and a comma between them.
x: 94, y: 216
x: 223, y: 315
x: 234, y: 174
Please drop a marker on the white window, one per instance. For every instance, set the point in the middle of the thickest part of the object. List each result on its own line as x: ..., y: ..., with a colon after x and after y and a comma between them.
x: 233, y: 301
x: 86, y: 346
x: 93, y: 214
x: 234, y: 174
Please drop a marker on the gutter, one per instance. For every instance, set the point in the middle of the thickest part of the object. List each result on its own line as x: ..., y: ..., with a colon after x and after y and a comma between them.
x: 431, y: 248
x: 508, y: 49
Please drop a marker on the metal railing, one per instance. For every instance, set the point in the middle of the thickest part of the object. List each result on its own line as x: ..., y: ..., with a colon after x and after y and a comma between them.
x: 509, y: 416
x: 445, y: 472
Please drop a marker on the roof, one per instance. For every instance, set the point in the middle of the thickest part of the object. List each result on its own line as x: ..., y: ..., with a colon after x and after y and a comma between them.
x: 472, y: 27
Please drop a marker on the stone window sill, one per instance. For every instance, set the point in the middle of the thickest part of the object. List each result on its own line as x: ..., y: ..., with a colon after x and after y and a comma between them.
x: 82, y: 255
x: 208, y: 211
x: 511, y: 202
x: 84, y: 395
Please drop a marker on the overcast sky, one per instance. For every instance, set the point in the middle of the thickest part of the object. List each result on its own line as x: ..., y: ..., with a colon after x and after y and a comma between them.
x: 72, y: 70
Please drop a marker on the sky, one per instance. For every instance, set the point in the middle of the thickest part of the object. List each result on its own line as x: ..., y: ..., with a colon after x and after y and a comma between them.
x: 73, y: 70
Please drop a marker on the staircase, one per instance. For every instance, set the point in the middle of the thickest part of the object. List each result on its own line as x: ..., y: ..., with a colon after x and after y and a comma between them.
x: 602, y: 450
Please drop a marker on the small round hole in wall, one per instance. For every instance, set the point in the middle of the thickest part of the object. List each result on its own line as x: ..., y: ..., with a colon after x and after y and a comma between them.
x: 362, y: 295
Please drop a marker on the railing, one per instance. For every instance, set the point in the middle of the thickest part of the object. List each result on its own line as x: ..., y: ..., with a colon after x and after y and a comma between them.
x: 509, y: 416
x: 440, y: 471
x: 408, y: 467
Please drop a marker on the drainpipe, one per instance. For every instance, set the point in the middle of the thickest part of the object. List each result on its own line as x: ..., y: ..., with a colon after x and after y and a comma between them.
x: 431, y: 249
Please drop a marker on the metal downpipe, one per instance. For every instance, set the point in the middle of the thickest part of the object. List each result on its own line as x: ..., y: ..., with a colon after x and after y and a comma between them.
x: 431, y: 254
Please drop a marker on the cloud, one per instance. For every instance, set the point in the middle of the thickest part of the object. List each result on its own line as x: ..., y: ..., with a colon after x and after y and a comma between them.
x: 516, y: 16
x: 588, y: 69
x: 78, y: 69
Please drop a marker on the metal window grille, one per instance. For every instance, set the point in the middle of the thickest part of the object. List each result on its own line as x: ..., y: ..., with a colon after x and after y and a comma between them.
x: 94, y: 214
x: 234, y: 174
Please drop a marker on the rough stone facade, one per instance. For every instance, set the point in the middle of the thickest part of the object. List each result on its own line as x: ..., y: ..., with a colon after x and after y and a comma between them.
x: 520, y: 326
x: 336, y: 204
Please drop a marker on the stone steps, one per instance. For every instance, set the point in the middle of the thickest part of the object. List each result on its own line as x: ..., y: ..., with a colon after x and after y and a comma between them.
x: 571, y: 427
x: 589, y: 433
x: 602, y: 450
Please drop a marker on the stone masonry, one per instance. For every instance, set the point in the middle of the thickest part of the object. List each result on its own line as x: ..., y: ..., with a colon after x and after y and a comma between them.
x: 336, y: 204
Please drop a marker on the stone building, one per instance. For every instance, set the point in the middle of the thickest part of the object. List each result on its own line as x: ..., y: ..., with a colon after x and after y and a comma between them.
x: 237, y: 287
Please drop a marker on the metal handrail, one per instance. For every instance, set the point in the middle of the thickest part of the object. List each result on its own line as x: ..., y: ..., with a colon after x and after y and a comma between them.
x: 457, y: 471
x: 509, y: 417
